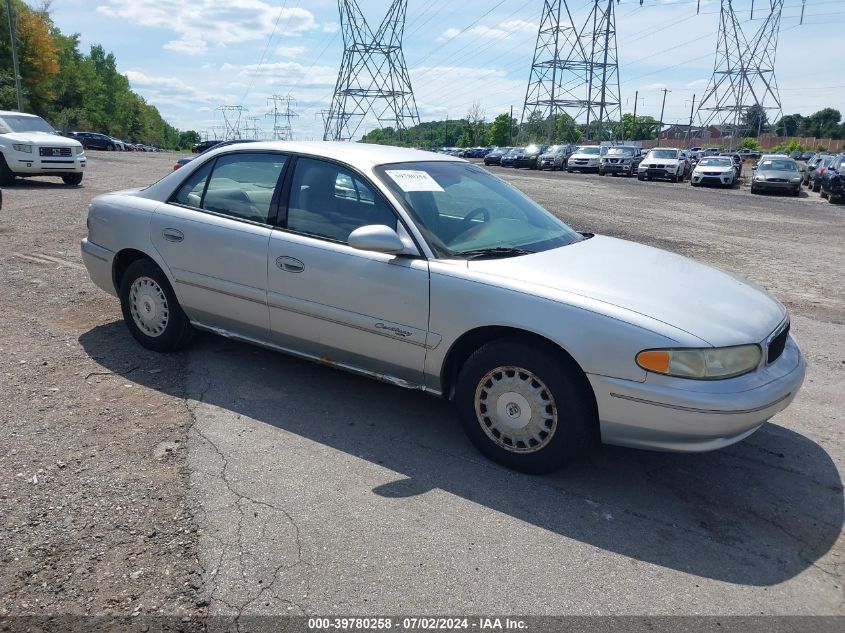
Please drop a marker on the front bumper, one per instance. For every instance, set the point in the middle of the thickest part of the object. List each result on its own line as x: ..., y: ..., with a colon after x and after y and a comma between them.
x: 99, y: 261
x: 659, y: 172
x: 32, y: 164
x: 768, y: 185
x: 616, y: 168
x: 699, y: 178
x: 577, y: 165
x: 674, y: 414
x: 525, y: 162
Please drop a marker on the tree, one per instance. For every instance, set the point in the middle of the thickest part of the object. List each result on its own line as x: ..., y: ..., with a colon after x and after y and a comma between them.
x: 754, y: 121
x: 749, y: 142
x: 501, y: 130
x: 822, y: 124
x: 789, y: 125
x: 566, y: 130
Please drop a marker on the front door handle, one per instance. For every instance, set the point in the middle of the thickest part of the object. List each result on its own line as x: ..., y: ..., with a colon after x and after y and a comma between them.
x: 172, y: 235
x: 290, y: 264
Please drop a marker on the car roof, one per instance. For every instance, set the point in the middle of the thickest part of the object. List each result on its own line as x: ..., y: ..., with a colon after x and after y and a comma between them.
x: 355, y: 154
x: 778, y: 156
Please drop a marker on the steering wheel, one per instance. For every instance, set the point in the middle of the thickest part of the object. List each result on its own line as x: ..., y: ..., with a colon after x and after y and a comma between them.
x: 468, y: 224
x: 469, y: 217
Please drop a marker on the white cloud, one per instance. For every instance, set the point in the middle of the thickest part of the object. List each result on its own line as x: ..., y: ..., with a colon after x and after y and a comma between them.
x: 290, y: 51
x: 288, y: 73
x: 200, y: 23
x: 167, y: 90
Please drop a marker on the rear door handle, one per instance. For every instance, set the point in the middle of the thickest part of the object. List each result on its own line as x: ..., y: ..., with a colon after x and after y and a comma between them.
x: 172, y: 235
x: 290, y: 264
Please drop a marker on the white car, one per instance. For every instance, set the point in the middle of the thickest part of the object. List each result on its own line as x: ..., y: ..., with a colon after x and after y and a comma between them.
x: 663, y: 162
x: 29, y: 146
x: 428, y: 272
x: 585, y: 158
x: 714, y: 170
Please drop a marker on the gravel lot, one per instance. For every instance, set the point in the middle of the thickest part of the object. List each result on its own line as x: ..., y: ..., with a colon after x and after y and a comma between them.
x: 228, y: 480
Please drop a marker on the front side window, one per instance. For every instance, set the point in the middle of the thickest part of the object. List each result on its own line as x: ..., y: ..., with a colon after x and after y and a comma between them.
x: 463, y: 209
x: 330, y: 202
x: 190, y: 193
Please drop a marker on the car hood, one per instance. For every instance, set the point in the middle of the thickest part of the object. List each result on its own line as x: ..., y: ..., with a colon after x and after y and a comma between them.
x: 706, y: 302
x: 662, y: 161
x: 596, y: 156
x: 42, y: 138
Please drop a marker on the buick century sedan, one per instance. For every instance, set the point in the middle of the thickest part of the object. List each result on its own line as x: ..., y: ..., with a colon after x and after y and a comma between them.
x: 427, y: 272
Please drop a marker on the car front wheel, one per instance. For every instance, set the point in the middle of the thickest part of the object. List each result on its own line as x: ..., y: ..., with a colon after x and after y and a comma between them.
x: 151, y: 310
x: 72, y: 179
x: 524, y: 407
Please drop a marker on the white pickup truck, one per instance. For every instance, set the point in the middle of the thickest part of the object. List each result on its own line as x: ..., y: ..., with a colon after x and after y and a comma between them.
x: 29, y: 146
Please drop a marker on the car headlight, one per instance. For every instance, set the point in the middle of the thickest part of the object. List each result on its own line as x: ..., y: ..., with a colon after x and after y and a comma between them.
x: 79, y: 150
x: 26, y: 149
x: 796, y: 178
x: 728, y: 172
x: 760, y: 177
x: 702, y: 364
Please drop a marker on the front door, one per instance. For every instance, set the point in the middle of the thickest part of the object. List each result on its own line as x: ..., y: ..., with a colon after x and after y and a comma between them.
x: 364, y: 310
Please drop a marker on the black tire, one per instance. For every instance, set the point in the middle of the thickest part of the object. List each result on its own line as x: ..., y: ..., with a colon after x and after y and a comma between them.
x: 177, y: 331
x: 110, y: 148
x: 822, y: 193
x: 564, y: 383
x: 72, y: 179
x: 640, y: 177
x: 754, y: 189
x: 833, y: 199
x: 6, y: 175
x: 568, y: 171
x: 817, y: 188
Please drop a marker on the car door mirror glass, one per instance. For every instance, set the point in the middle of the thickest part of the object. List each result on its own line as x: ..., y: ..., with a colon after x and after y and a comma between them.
x: 377, y: 238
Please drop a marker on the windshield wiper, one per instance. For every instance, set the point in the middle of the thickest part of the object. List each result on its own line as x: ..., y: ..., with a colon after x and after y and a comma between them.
x: 498, y: 251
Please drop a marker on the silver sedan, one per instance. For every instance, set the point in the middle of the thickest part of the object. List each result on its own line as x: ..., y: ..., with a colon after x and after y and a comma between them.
x: 428, y: 272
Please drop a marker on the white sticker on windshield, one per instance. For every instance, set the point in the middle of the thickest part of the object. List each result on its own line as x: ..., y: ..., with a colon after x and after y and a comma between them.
x: 413, y: 180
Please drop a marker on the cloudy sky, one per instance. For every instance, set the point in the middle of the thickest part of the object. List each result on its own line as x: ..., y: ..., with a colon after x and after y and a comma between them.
x: 189, y: 57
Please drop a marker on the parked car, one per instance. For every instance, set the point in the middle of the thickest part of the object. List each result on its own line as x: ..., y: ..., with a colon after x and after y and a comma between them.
x: 663, y: 162
x: 620, y: 159
x: 29, y: 146
x: 187, y: 159
x: 543, y: 337
x: 818, y: 172
x: 182, y: 162
x: 507, y: 159
x: 810, y: 166
x: 737, y: 159
x: 712, y: 151
x: 119, y: 145
x: 495, y: 156
x: 776, y: 173
x: 805, y: 156
x: 529, y: 156
x: 714, y: 170
x: 585, y: 158
x: 832, y: 184
x: 93, y: 140
x: 795, y: 155
x: 199, y: 148
x: 555, y: 157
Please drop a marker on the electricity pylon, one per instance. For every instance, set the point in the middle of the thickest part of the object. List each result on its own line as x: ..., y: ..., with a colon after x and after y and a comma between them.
x: 744, y: 71
x: 575, y: 71
x: 373, y: 77
x: 282, y: 131
x: 232, y: 120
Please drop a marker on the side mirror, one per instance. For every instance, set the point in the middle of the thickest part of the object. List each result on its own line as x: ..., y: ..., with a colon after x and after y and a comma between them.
x: 379, y: 238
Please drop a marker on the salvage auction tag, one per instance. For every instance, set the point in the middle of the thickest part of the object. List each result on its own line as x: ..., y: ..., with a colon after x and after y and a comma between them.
x: 413, y: 180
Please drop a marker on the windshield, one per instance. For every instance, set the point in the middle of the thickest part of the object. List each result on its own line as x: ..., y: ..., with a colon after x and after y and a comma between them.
x: 15, y: 123
x: 778, y: 165
x: 515, y: 151
x: 663, y: 153
x: 620, y: 151
x: 534, y: 149
x: 461, y: 208
x: 590, y: 149
x: 715, y: 162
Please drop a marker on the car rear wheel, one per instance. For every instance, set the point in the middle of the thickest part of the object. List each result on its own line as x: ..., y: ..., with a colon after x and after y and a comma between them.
x: 822, y: 193
x: 72, y: 179
x: 151, y: 310
x: 110, y: 148
x: 524, y: 407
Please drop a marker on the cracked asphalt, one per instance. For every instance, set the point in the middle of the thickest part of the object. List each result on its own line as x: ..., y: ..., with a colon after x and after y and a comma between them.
x: 231, y: 481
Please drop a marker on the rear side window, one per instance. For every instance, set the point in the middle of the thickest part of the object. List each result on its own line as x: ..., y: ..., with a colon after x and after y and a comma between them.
x: 190, y: 193
x: 242, y: 185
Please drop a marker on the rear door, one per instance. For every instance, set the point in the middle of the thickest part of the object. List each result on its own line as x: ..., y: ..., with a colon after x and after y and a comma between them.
x: 213, y: 235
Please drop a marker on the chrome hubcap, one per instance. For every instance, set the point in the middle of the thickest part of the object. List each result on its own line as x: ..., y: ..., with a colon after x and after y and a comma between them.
x: 148, y: 305
x: 515, y: 409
